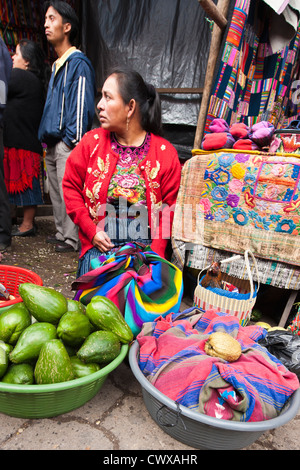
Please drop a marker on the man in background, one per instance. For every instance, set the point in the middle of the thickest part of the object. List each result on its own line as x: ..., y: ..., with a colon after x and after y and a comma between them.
x: 68, y: 112
x: 5, y: 213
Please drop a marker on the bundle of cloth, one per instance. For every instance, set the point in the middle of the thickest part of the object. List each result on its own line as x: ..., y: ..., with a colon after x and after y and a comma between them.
x: 172, y: 356
x: 238, y: 136
x: 137, y: 280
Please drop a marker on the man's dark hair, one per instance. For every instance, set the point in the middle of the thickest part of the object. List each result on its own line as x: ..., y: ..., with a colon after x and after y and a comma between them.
x: 68, y: 16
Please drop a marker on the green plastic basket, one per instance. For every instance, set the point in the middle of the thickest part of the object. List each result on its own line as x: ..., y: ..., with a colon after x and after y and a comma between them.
x: 45, y: 401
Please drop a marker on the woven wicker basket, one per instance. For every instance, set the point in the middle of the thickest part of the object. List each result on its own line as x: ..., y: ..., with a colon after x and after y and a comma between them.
x: 237, y: 304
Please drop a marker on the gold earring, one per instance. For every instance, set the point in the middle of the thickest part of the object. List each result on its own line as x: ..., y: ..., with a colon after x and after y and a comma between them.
x: 127, y: 123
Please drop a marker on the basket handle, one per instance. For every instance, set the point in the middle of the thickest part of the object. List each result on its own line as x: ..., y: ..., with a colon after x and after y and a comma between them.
x: 177, y: 415
x: 246, y: 257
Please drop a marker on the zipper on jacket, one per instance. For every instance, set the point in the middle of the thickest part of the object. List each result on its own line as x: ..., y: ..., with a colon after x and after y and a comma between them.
x: 80, y: 108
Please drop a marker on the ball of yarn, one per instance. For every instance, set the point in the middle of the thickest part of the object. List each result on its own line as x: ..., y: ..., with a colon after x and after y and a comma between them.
x: 261, y: 133
x: 218, y: 140
x: 219, y: 125
x: 239, y: 130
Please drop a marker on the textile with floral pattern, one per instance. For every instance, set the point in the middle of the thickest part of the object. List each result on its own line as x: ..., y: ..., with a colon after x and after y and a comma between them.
x: 258, y: 192
x: 244, y: 201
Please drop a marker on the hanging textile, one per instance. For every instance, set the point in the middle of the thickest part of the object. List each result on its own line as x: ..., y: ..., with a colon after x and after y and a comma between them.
x: 253, y: 83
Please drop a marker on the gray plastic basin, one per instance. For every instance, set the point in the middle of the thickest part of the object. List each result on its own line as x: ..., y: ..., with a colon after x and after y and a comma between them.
x: 200, y: 431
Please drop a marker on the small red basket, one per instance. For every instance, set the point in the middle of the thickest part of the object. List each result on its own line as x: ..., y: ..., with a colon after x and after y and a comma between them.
x: 12, y: 276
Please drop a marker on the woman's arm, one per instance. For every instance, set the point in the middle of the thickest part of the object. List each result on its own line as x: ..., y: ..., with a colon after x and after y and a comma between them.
x: 73, y: 187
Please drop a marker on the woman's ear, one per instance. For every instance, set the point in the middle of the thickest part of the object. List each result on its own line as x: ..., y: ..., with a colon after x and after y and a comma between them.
x: 131, y: 107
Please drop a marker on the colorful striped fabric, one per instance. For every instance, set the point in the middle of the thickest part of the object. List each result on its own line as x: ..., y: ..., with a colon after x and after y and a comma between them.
x: 141, y: 284
x: 172, y: 357
x: 254, y: 83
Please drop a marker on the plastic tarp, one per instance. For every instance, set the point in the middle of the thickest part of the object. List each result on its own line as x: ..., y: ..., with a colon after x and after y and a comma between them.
x: 167, y: 41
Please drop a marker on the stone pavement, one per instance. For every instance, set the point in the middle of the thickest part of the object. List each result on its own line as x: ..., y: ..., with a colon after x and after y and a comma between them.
x: 116, y: 419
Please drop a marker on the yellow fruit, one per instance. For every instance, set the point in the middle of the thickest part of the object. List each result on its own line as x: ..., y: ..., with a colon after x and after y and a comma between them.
x: 263, y: 325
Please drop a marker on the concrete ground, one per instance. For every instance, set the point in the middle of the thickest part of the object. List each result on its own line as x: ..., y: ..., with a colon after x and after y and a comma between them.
x: 116, y: 419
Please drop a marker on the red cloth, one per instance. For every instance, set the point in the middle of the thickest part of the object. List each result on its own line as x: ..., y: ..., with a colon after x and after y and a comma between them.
x: 217, y: 140
x: 20, y: 167
x: 88, y: 173
x: 239, y: 130
x: 245, y: 144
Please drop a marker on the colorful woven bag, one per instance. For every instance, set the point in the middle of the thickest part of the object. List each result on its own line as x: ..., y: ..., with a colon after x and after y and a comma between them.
x: 141, y: 284
x: 287, y: 140
x: 294, y: 327
x: 238, y: 304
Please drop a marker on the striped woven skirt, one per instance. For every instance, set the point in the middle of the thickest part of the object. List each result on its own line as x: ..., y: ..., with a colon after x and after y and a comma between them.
x: 84, y: 263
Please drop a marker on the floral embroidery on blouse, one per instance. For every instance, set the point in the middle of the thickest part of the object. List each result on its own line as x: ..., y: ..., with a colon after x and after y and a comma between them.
x: 127, y: 180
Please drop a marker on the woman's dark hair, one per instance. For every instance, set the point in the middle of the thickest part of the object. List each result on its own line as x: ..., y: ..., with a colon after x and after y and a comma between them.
x: 34, y: 54
x: 132, y: 86
x: 68, y: 16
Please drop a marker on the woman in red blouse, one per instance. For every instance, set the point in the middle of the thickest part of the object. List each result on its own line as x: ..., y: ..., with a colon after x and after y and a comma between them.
x: 121, y: 180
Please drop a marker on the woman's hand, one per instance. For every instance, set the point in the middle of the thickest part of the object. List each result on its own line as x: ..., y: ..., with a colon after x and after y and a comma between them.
x: 102, y: 241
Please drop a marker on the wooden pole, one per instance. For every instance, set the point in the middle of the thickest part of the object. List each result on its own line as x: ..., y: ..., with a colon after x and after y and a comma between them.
x: 216, y: 40
x: 214, y: 12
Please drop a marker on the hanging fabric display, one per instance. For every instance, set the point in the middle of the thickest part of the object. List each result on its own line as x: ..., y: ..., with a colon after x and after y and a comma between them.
x: 254, y: 83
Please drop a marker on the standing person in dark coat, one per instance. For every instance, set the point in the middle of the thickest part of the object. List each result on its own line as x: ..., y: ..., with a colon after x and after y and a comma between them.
x: 22, y: 149
x: 5, y: 214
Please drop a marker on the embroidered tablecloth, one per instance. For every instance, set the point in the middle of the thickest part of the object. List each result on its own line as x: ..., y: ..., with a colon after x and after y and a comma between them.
x: 233, y: 201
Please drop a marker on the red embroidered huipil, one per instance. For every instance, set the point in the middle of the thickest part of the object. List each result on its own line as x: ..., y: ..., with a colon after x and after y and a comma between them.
x: 87, y: 175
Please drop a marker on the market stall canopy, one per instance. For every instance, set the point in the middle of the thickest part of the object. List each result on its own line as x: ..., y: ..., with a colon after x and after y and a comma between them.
x: 279, y: 6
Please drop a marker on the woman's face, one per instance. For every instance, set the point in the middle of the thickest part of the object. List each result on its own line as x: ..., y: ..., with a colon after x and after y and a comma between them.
x: 18, y: 60
x: 113, y: 112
